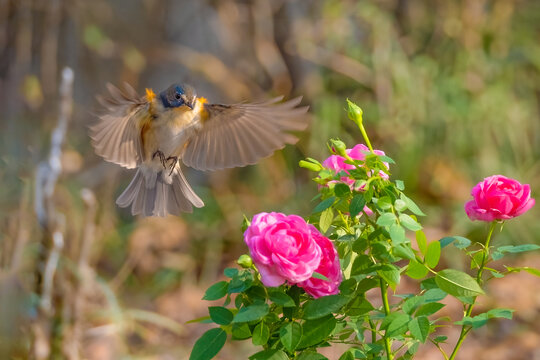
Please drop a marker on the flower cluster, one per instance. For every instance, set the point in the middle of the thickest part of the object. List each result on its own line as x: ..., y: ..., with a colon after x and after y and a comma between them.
x: 498, y: 198
x: 287, y: 249
x: 358, y: 152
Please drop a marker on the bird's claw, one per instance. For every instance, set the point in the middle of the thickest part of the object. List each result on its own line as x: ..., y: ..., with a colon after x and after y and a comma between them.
x: 161, y: 156
x: 173, y: 163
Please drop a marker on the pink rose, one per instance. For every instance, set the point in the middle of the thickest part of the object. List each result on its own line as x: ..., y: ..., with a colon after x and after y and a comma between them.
x: 337, y: 164
x: 358, y: 152
x: 328, y: 267
x: 282, y: 247
x: 498, y: 198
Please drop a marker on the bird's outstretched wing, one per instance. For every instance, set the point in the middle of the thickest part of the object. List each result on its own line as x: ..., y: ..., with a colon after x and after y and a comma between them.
x: 115, y: 135
x: 241, y: 134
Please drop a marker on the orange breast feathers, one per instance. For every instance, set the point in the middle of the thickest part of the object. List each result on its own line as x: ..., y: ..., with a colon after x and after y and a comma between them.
x: 203, y: 113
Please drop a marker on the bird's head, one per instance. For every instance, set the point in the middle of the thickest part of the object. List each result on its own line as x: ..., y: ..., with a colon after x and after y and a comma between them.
x: 178, y: 95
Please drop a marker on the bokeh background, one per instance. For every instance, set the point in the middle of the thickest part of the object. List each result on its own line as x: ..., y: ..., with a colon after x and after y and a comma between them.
x: 450, y: 90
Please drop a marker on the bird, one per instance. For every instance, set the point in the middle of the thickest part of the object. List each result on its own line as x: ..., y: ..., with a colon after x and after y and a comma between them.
x: 155, y: 133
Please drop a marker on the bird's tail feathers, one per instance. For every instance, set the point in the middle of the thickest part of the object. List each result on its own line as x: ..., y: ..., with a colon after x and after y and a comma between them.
x: 151, y: 195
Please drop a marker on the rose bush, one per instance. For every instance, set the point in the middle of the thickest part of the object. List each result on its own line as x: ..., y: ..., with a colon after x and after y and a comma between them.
x: 300, y: 290
x: 498, y: 198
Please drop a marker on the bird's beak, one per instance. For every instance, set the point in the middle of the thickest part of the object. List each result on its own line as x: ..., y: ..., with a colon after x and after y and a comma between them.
x: 192, y: 103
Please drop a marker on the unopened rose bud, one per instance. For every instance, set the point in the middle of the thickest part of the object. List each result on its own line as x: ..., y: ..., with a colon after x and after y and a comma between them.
x: 354, y: 112
x: 310, y: 166
x: 245, y: 261
x: 338, y: 147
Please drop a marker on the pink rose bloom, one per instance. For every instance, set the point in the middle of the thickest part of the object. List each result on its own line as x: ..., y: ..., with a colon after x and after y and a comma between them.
x: 337, y: 163
x: 359, y: 153
x: 282, y: 247
x: 328, y: 267
x: 498, y: 198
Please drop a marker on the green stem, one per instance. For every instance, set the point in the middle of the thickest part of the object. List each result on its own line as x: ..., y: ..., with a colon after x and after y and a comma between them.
x: 365, y: 136
x: 466, y: 329
x: 486, y: 253
x: 386, y: 306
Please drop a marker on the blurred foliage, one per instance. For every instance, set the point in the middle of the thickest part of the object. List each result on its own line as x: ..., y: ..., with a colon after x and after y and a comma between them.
x: 450, y: 90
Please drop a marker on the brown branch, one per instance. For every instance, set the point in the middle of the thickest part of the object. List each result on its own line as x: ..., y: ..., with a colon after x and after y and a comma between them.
x: 53, y: 225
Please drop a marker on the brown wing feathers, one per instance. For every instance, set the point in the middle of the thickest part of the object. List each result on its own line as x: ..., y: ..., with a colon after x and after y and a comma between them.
x: 115, y: 136
x: 239, y: 135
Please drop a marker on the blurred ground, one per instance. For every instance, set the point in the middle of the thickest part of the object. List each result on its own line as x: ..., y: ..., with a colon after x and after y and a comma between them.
x: 450, y: 91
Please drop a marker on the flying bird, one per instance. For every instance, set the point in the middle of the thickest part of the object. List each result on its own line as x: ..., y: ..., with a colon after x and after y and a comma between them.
x: 154, y: 133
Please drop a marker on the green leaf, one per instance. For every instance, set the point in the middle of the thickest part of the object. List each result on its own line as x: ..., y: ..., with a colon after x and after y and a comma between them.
x: 251, y: 313
x: 327, y: 216
x: 362, y: 263
x: 390, y: 274
x: 366, y: 284
x: 323, y: 306
x: 530, y: 270
x: 440, y: 339
x: 397, y: 234
x: 240, y: 282
x: 500, y: 251
x: 416, y: 270
x: 325, y: 204
x: 500, y: 313
x: 412, y: 350
x: 419, y: 328
x: 202, y: 320
x: 347, y: 355
x: 386, y: 219
x: 359, y: 306
x: 421, y: 240
x: 386, y: 159
x: 316, y: 275
x: 290, y: 335
x: 208, y: 345
x: 311, y: 356
x: 261, y: 334
x: 230, y: 272
x: 434, y: 295
x: 459, y: 241
x: 220, y: 315
x: 315, y: 331
x: 433, y: 254
x: 411, y: 304
x: 216, y: 291
x: 279, y: 298
x: 400, y: 185
x: 384, y: 203
x: 272, y: 354
x: 395, y: 324
x: 342, y: 190
x: 429, y: 309
x: 411, y: 205
x: 404, y: 251
x: 476, y: 259
x: 357, y: 205
x: 400, y: 205
x: 409, y: 222
x: 457, y: 283
x: 240, y: 331
x: 475, y: 322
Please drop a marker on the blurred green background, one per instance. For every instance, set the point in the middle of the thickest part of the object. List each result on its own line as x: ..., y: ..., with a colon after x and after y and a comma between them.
x: 450, y: 90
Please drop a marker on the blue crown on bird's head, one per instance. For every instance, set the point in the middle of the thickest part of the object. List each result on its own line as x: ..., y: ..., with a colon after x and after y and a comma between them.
x: 178, y: 95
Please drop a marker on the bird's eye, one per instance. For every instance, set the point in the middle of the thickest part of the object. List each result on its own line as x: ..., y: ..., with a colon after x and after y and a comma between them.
x: 177, y: 96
